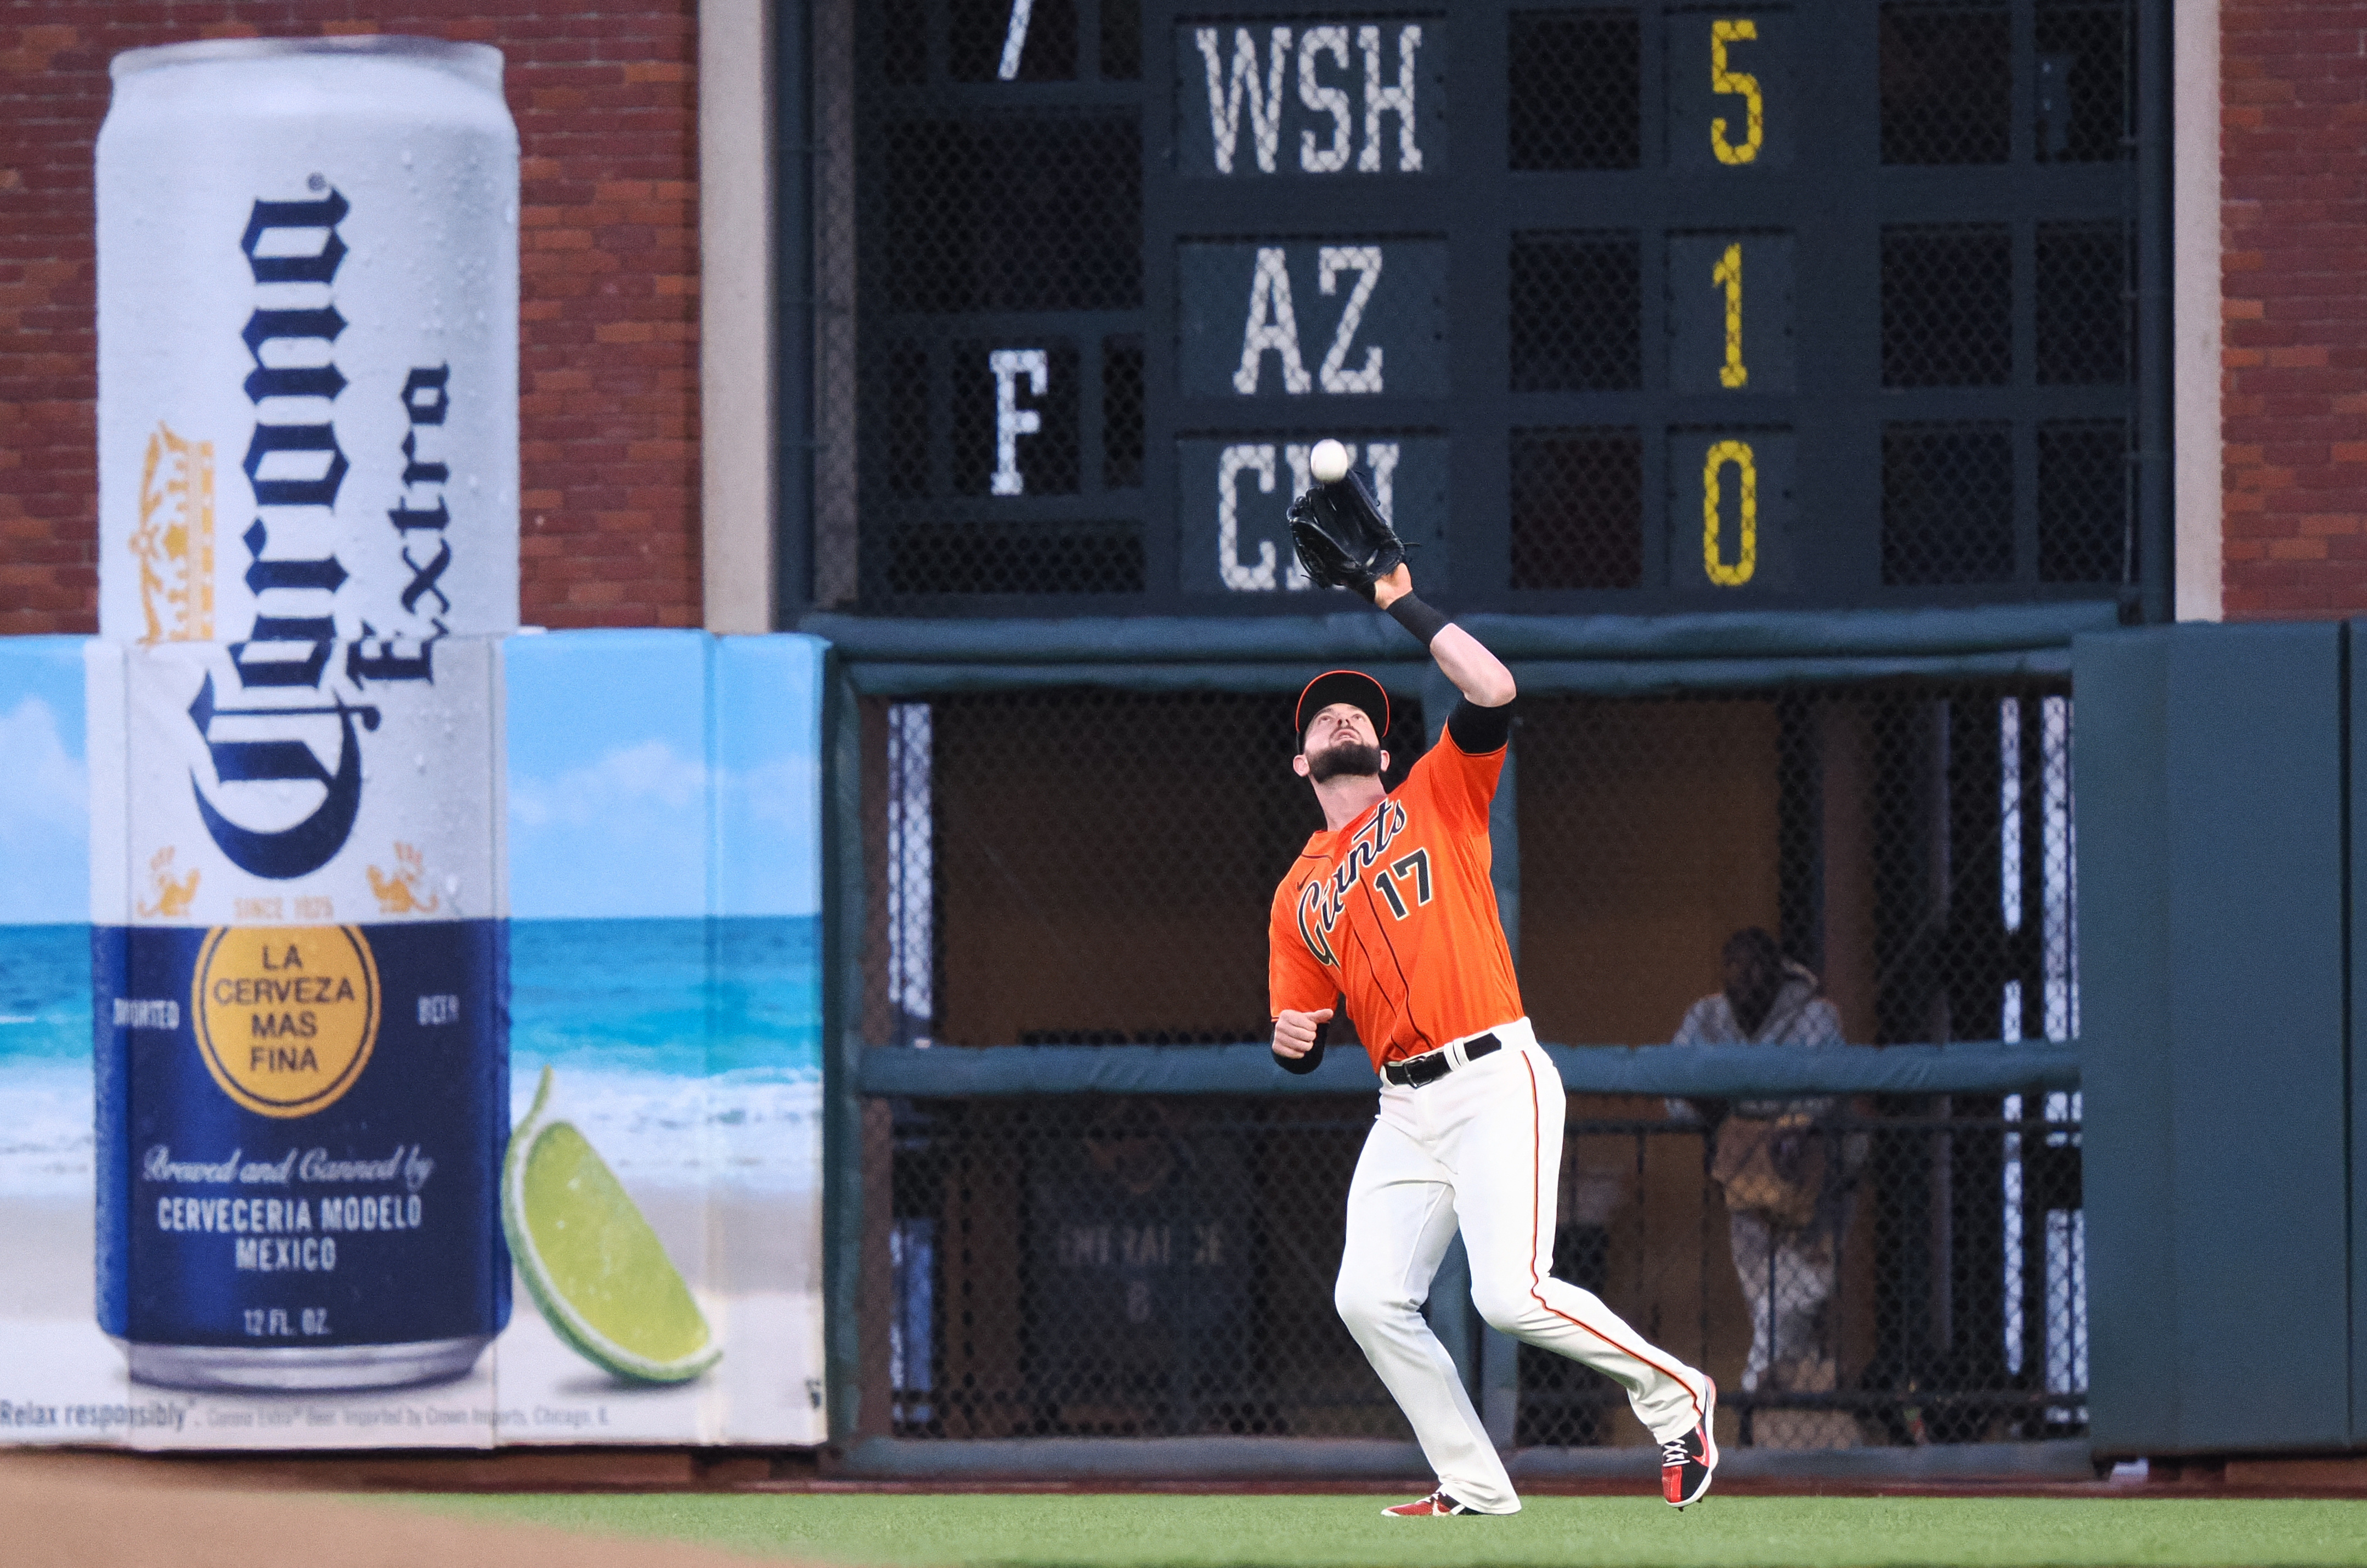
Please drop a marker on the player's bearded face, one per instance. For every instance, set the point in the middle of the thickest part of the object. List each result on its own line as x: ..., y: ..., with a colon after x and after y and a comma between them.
x: 1346, y: 757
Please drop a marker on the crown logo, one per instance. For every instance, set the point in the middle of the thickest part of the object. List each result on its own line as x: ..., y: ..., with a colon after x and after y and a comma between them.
x: 175, y: 542
x: 172, y: 897
x: 397, y: 894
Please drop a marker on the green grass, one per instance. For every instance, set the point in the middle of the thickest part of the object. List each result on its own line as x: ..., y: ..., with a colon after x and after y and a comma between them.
x: 1108, y: 1532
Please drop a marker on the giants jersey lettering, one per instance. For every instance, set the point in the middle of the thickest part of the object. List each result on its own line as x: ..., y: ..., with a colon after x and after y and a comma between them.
x: 1396, y: 913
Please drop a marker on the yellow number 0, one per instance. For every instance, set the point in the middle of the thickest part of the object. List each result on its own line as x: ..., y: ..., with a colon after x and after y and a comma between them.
x: 1728, y: 274
x: 1740, y: 82
x: 1747, y: 560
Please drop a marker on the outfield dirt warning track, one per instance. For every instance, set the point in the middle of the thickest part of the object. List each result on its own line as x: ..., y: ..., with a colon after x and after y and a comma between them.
x: 65, y: 1510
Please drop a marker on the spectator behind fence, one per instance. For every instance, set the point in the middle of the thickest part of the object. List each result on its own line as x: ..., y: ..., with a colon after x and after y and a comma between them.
x: 1786, y: 1179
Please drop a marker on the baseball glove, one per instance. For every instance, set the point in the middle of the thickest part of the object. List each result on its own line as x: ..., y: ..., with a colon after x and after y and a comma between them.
x: 1342, y: 539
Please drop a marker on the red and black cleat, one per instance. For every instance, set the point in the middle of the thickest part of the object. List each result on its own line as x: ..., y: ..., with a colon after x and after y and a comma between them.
x: 1433, y: 1507
x: 1687, y: 1462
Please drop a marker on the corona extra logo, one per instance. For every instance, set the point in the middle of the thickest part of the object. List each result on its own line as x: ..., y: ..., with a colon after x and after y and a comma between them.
x: 285, y: 712
x: 294, y: 467
x: 175, y: 542
x: 398, y: 893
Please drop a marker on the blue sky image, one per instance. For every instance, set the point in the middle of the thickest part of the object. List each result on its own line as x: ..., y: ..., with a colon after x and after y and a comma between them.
x: 44, y: 784
x: 610, y: 765
x: 651, y: 774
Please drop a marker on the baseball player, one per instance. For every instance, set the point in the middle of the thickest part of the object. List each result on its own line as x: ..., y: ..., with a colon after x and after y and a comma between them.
x: 1390, y: 910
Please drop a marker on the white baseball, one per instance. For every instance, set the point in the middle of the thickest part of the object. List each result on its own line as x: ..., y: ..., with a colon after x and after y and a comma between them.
x: 1328, y: 462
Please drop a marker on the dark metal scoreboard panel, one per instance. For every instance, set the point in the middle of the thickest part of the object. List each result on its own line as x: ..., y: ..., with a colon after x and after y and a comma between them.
x: 1623, y: 307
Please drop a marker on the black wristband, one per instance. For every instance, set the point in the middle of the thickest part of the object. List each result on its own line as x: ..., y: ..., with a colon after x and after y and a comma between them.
x: 1417, y: 618
x: 1310, y: 1062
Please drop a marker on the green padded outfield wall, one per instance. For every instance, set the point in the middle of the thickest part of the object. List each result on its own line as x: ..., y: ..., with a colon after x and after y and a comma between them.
x: 2209, y: 766
x: 2354, y: 694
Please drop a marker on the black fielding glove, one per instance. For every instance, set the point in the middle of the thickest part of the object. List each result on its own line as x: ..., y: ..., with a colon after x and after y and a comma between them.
x: 1342, y: 539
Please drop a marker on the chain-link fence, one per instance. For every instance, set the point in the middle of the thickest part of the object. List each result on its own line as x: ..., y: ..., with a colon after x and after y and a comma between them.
x: 1076, y: 867
x: 1910, y: 845
x: 1577, y: 508
x: 1154, y: 1266
x: 1902, y: 1271
x: 1573, y: 89
x: 1096, y: 866
x: 1085, y: 867
x: 1947, y: 81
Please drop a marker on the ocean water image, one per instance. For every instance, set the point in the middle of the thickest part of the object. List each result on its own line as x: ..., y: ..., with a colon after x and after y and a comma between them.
x: 675, y: 1081
x: 45, y: 1138
x: 678, y: 1083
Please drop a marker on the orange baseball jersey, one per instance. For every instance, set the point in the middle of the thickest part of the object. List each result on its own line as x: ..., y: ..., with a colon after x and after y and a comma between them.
x: 1396, y: 912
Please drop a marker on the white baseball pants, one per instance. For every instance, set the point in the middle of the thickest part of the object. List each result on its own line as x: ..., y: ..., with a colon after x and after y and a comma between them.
x: 1480, y: 1150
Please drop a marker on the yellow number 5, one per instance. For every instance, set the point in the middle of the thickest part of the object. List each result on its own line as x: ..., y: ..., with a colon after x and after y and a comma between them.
x: 1746, y: 561
x: 1740, y: 82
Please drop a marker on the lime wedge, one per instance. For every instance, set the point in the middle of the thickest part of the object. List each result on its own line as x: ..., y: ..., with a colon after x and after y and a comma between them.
x: 591, y: 1261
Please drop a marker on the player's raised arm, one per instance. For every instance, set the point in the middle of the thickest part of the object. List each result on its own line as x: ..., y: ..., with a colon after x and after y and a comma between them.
x: 1478, y: 675
x: 1344, y: 542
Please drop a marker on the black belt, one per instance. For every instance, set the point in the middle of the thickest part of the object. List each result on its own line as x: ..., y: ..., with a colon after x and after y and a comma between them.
x: 1432, y: 1065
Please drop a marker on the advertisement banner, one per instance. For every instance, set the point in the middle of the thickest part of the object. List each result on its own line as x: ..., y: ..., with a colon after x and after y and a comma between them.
x: 311, y: 1176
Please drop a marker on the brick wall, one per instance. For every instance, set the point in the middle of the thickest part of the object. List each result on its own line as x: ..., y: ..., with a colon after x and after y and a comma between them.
x: 2293, y: 215
x: 608, y: 375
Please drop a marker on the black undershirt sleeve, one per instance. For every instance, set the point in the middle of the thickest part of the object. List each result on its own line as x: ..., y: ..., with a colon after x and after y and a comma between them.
x: 1310, y: 1062
x: 1479, y: 731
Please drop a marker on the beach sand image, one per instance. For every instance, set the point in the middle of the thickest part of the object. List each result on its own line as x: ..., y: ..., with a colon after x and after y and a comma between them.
x: 752, y: 1257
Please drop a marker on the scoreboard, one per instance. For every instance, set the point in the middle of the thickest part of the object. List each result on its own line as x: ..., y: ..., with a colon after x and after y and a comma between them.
x: 1621, y: 309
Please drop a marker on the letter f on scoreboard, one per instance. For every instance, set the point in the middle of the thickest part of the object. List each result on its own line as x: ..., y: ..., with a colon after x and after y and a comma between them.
x: 1011, y: 421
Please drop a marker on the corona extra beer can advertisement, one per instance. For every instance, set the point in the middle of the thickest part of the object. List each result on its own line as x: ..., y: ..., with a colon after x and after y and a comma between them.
x: 409, y: 1025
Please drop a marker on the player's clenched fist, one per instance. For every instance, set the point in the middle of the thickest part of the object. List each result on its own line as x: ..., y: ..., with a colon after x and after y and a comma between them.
x: 1294, y: 1032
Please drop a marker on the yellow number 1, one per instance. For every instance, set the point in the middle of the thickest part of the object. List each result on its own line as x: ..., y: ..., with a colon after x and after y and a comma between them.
x: 1740, y: 82
x: 1746, y: 559
x: 1729, y: 273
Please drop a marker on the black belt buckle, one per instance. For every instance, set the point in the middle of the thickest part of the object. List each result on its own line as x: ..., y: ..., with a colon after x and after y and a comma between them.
x: 1427, y: 1068
x: 1432, y: 1065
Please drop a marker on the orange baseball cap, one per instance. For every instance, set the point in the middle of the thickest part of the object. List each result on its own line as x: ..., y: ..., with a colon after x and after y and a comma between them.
x: 1343, y: 686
